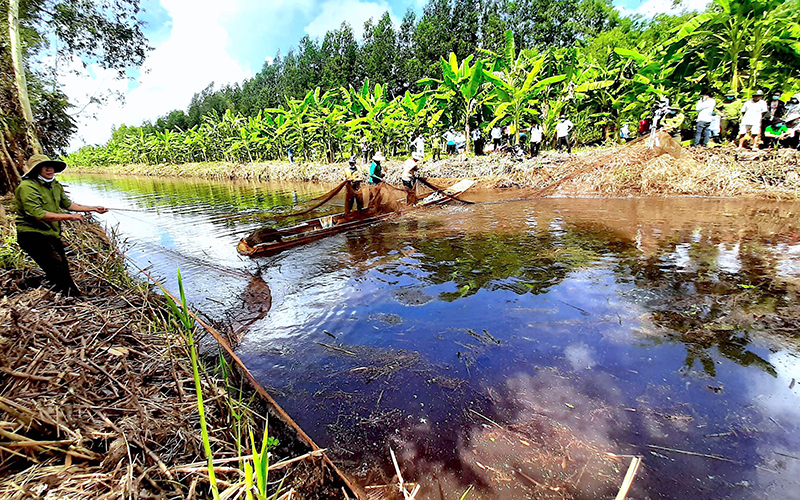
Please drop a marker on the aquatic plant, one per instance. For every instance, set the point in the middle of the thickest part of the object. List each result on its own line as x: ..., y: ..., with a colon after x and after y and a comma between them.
x: 181, y: 313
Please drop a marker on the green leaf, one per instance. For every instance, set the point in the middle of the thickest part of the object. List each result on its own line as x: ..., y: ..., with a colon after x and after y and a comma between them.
x: 510, y: 50
x: 589, y: 86
x: 690, y: 26
x: 453, y: 63
x: 548, y: 81
x: 534, y: 72
x: 630, y: 54
x: 429, y: 81
x: 471, y: 88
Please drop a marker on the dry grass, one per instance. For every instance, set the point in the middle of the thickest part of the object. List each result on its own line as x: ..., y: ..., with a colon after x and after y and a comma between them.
x: 97, y: 398
x: 97, y: 395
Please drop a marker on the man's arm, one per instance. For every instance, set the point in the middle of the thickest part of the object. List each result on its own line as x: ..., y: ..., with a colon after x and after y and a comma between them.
x: 83, y: 208
x: 50, y: 217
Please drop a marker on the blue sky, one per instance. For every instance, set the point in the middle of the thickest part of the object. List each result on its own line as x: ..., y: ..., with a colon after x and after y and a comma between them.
x: 199, y: 41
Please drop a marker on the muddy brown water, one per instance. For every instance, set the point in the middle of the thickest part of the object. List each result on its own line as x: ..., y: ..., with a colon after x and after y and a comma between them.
x: 510, y: 347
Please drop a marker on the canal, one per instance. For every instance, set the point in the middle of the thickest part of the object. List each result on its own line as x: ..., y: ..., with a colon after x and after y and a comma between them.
x: 524, y: 348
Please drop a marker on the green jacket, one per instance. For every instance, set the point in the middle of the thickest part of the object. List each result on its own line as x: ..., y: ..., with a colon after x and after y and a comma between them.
x: 731, y: 110
x: 32, y: 199
x: 375, y: 173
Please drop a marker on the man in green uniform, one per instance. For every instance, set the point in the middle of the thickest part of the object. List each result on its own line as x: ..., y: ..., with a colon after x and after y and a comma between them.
x: 729, y: 125
x: 39, y: 201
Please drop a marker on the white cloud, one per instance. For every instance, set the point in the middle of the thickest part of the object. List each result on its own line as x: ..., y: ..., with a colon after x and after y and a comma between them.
x: 195, y: 54
x: 650, y: 8
x: 355, y: 12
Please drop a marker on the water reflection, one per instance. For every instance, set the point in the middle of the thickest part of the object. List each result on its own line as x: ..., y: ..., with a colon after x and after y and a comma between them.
x: 511, y: 346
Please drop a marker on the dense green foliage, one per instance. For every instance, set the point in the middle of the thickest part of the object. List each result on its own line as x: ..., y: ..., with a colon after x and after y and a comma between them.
x: 473, y: 63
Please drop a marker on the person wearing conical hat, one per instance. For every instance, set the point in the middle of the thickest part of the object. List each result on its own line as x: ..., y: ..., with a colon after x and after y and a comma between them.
x: 40, y: 200
x: 375, y: 169
x: 410, y: 168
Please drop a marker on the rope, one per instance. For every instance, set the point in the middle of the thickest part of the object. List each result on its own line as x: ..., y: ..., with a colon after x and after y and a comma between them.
x: 323, y: 200
x: 439, y: 190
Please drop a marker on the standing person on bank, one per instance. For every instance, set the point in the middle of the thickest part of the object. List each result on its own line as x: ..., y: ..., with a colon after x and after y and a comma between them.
x: 497, y: 134
x: 705, y: 115
x: 436, y: 146
x: 39, y: 201
x: 536, y: 138
x: 752, y: 113
x: 729, y: 124
x: 563, y: 129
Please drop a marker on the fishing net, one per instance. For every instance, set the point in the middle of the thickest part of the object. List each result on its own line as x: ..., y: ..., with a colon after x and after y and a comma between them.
x: 385, y: 198
x: 606, y: 169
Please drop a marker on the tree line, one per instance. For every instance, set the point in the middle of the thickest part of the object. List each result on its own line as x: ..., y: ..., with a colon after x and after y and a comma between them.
x: 600, y: 79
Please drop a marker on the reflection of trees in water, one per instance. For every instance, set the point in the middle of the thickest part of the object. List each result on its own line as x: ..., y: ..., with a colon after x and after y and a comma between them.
x: 530, y: 262
x: 705, y: 306
x: 202, y: 193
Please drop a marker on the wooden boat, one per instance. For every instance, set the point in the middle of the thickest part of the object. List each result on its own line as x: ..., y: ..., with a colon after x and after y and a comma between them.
x: 278, y: 240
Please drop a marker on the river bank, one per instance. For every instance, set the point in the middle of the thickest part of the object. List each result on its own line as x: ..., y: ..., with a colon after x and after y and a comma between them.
x: 629, y: 170
x: 98, y: 395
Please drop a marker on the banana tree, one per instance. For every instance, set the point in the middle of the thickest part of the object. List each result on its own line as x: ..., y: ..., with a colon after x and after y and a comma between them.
x: 325, y: 122
x: 459, y: 90
x: 294, y: 125
x: 733, y: 41
x: 514, y: 93
x: 371, y: 110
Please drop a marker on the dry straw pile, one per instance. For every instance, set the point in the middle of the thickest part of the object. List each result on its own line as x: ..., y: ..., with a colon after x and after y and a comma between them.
x: 96, y: 398
x: 97, y: 395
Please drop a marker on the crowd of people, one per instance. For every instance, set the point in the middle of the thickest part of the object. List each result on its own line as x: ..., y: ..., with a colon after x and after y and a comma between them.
x: 754, y: 123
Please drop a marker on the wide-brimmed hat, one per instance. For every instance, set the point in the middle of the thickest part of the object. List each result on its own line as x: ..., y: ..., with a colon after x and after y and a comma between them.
x: 36, y: 162
x: 416, y: 155
x: 378, y: 157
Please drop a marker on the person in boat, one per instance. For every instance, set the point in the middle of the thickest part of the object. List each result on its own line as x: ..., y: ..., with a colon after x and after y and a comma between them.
x: 410, y: 168
x: 353, y: 192
x: 351, y: 173
x: 375, y: 169
x: 39, y: 200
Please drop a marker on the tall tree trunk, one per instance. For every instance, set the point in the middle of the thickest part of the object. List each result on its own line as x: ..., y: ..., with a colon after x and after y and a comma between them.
x: 19, y: 71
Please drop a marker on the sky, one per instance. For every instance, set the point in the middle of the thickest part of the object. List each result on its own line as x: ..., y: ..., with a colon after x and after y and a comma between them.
x: 197, y: 42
